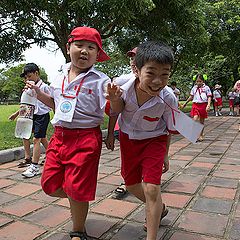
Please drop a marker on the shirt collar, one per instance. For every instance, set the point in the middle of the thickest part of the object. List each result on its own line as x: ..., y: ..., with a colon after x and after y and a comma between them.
x: 130, y: 83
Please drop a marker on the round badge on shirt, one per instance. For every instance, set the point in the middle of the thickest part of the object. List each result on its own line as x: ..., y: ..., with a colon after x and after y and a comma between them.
x: 66, y: 107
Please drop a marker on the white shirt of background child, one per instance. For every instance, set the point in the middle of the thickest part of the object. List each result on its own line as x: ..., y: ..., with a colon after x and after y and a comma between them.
x: 232, y: 95
x: 200, y: 95
x: 176, y: 92
x: 90, y: 106
x: 152, y: 119
x: 216, y: 94
x: 123, y: 79
x: 41, y: 108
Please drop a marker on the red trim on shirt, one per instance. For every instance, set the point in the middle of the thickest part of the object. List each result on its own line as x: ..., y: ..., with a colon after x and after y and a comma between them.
x: 150, y: 119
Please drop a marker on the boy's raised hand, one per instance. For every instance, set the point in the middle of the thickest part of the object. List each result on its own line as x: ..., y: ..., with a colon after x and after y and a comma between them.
x: 114, y: 92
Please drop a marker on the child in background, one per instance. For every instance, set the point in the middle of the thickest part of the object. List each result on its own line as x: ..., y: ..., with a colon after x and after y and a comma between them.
x: 41, y: 120
x: 217, y: 97
x: 231, y: 96
x: 145, y: 124
x: 201, y: 96
x: 237, y: 99
x: 176, y: 91
x: 78, y: 97
x: 113, y: 128
x: 112, y: 124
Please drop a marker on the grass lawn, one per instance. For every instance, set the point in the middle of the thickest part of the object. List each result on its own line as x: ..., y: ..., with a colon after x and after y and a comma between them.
x: 7, y: 127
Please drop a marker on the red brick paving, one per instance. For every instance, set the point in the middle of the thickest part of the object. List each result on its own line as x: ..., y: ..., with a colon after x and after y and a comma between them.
x: 201, y: 191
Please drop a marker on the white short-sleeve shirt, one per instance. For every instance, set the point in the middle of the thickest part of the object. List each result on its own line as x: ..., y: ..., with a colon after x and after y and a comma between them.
x: 41, y: 108
x: 216, y: 94
x: 232, y: 95
x: 152, y: 119
x: 90, y: 106
x: 200, y: 95
x: 123, y: 79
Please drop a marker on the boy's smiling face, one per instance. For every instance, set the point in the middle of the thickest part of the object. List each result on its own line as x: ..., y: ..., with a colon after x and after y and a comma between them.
x: 83, y: 54
x: 153, y: 77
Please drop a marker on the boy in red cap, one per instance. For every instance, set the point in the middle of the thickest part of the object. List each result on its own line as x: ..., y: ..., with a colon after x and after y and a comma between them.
x: 77, y: 95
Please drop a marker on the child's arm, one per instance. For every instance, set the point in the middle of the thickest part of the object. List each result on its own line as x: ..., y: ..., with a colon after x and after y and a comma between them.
x: 42, y: 96
x: 109, y: 141
x: 190, y: 98
x: 114, y: 95
x: 209, y: 103
x: 13, y: 116
x: 166, y: 160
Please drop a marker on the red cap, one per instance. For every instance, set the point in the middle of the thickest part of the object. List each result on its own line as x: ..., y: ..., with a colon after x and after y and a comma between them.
x: 132, y: 52
x: 89, y: 34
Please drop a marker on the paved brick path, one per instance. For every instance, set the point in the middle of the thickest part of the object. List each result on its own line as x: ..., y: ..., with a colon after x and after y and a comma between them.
x: 201, y: 189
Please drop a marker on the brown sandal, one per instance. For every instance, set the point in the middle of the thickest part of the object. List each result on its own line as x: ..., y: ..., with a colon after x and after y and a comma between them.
x: 164, y: 214
x: 25, y: 163
x: 80, y: 235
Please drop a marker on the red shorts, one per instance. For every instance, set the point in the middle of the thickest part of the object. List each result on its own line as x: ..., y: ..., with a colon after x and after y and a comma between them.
x: 199, y: 109
x: 218, y: 103
x: 72, y: 160
x: 142, y: 160
x: 231, y: 103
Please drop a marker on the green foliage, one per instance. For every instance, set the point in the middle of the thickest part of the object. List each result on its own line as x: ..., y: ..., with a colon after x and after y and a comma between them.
x: 198, y: 31
x: 26, y: 21
x: 11, y: 84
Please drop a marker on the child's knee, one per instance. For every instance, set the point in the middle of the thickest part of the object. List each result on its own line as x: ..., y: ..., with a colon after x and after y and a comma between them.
x: 151, y: 191
x: 36, y: 141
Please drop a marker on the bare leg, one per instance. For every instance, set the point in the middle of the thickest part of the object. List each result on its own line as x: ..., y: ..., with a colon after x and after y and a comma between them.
x: 79, y: 211
x: 216, y: 110
x: 44, y: 142
x: 26, y: 145
x: 137, y: 191
x: 201, y: 120
x: 59, y: 193
x: 36, y: 150
x: 201, y: 134
x: 153, y: 209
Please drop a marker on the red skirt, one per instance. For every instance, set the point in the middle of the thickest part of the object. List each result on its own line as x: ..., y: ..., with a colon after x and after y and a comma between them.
x: 199, y: 109
x: 218, y: 102
x: 231, y: 103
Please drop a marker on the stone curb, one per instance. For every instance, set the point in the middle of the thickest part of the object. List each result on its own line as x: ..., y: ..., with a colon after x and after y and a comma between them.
x: 17, y: 153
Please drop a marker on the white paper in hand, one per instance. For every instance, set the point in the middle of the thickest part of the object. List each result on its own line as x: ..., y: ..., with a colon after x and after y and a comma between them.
x: 186, y: 126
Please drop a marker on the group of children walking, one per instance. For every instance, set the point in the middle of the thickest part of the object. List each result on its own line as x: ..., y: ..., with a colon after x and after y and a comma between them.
x: 143, y: 105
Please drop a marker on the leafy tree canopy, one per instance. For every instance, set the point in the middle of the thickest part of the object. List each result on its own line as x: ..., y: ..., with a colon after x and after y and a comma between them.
x: 11, y: 84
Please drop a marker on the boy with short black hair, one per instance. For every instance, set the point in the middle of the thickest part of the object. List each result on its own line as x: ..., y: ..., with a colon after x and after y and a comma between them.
x: 146, y: 122
x: 41, y: 119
